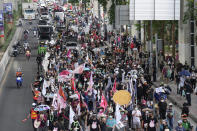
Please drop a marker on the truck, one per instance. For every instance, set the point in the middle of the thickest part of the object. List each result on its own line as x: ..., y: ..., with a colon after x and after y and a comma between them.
x: 45, y: 32
x: 29, y: 11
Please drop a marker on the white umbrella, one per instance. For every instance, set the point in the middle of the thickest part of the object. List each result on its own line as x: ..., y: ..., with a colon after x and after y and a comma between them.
x: 42, y: 108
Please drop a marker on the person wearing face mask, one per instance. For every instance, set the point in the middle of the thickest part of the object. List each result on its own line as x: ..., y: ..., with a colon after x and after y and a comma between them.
x: 50, y: 120
x: 101, y: 112
x: 162, y: 108
x: 75, y: 126
x: 164, y: 126
x: 110, y: 123
x: 186, y: 124
x: 180, y: 126
x: 136, y: 113
x: 94, y: 124
x: 145, y: 120
x: 103, y: 123
x: 124, y: 119
x: 153, y: 123
x: 170, y: 115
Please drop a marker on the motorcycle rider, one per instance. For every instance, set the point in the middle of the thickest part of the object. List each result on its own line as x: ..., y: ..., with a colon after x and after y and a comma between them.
x: 15, y: 51
x: 19, y: 77
x: 26, y: 32
x: 28, y: 53
x: 26, y: 45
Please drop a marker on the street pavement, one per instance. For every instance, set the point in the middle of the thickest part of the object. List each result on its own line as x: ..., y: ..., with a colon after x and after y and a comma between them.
x: 15, y: 103
x: 178, y: 101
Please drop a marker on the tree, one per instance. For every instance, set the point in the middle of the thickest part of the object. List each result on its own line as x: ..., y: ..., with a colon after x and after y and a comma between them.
x: 104, y: 4
x: 73, y: 1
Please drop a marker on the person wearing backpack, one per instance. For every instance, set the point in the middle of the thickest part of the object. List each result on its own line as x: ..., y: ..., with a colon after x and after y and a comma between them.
x: 152, y: 124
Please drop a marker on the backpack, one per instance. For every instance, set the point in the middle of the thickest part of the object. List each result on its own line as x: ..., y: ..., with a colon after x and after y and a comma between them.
x: 94, y: 125
x: 152, y: 124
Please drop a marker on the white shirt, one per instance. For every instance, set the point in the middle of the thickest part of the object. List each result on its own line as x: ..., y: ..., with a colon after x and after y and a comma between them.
x: 136, y: 115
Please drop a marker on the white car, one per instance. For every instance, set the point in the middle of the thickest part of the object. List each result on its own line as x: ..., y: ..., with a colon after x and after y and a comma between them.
x: 72, y: 45
x: 45, y: 16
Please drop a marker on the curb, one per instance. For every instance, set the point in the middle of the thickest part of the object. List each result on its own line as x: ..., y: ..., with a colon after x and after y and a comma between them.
x: 191, y: 115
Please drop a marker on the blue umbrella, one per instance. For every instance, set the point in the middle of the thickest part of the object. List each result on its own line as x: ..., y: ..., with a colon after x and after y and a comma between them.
x: 185, y: 73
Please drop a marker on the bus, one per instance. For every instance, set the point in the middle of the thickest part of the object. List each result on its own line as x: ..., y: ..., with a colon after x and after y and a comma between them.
x: 29, y: 11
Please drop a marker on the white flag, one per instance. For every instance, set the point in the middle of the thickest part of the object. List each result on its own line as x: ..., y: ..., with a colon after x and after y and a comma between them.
x: 71, y: 116
x: 79, y: 69
x: 117, y: 113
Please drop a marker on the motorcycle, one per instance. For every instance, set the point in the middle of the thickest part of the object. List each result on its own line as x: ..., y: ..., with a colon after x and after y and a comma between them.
x: 25, y: 37
x: 20, y: 23
x: 14, y: 52
x: 19, y: 81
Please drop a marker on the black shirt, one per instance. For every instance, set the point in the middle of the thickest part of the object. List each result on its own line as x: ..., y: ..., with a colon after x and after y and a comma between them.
x: 94, y: 125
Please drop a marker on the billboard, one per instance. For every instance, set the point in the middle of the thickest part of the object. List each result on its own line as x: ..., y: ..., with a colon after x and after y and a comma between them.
x: 154, y: 10
x: 7, y: 8
x: 1, y: 24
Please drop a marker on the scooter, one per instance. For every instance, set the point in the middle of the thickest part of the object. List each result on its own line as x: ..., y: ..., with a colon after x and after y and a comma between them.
x: 19, y: 81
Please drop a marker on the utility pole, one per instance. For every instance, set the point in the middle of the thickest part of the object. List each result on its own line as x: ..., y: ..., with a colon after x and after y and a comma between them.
x: 192, y: 35
x: 99, y: 11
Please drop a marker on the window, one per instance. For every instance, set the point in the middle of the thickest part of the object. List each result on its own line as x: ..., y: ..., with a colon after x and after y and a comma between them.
x: 29, y: 11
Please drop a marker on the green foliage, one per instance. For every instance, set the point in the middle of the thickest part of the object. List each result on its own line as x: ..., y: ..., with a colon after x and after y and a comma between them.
x: 8, y: 39
x: 112, y: 8
x: 190, y: 10
x: 103, y: 3
x: 112, y: 12
x: 73, y: 1
x: 121, y: 2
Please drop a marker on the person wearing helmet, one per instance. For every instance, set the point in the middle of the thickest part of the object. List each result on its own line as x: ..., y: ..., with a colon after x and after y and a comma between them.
x: 19, y: 72
x: 33, y: 115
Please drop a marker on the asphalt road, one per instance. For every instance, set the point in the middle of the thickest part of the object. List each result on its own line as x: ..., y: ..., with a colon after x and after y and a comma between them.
x: 15, y: 103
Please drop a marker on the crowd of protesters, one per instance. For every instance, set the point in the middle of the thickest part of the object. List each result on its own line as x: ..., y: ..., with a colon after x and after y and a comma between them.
x: 77, y: 85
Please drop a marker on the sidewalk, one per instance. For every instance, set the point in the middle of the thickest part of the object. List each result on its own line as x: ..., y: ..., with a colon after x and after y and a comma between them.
x: 179, y: 100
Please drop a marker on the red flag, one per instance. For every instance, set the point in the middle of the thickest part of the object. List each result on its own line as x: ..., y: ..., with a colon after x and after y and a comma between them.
x: 114, y: 87
x: 61, y: 93
x: 69, y: 53
x: 73, y: 84
x: 103, y: 102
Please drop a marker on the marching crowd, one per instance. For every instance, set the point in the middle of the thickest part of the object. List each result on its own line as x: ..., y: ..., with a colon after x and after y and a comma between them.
x: 75, y: 89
